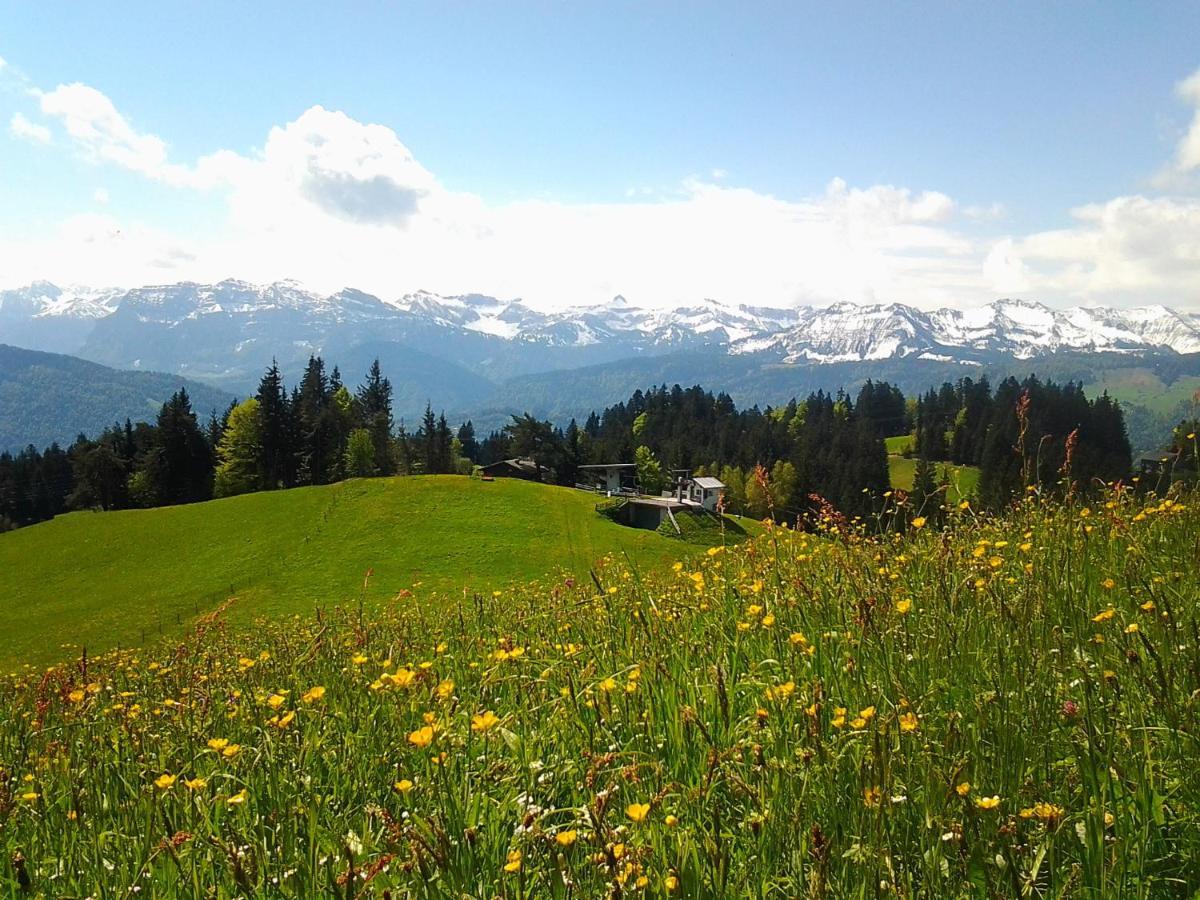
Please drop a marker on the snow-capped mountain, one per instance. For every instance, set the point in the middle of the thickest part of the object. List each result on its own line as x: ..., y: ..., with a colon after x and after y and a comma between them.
x: 43, y: 300
x: 584, y: 325
x: 229, y: 330
x: 846, y: 332
x: 43, y: 316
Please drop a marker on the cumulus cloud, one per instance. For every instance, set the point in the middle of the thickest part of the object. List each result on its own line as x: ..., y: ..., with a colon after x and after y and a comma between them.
x: 332, y: 201
x: 1141, y: 248
x: 93, y: 122
x: 19, y: 126
x: 1187, y: 155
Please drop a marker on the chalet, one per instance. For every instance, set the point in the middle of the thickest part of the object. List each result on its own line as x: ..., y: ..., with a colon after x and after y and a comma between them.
x: 1151, y: 465
x: 705, y: 491
x: 696, y: 490
x: 519, y: 467
x: 611, y: 478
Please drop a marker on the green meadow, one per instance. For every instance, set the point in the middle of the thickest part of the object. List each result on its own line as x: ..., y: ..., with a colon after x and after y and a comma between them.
x: 102, y: 580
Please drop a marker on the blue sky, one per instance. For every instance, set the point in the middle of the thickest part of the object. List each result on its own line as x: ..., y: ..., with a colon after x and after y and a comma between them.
x: 784, y: 153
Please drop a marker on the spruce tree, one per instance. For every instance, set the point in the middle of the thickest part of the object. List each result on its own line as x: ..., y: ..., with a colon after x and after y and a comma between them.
x: 275, y: 414
x: 375, y: 413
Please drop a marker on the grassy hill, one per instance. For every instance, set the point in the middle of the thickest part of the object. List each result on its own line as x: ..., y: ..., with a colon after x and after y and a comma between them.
x: 121, y: 578
x: 901, y: 470
x: 963, y: 479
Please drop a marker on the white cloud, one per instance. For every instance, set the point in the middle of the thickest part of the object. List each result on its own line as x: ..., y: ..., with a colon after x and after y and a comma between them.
x: 101, y: 196
x: 1187, y: 155
x: 95, y: 125
x: 332, y: 202
x: 1136, y: 248
x: 19, y: 126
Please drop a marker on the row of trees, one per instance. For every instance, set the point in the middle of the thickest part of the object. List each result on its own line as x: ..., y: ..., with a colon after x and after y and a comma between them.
x: 317, y: 433
x: 1024, y: 433
x: 828, y: 445
x: 323, y: 433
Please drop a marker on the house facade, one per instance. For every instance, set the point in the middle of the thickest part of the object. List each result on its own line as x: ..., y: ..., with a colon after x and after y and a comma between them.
x: 610, y: 478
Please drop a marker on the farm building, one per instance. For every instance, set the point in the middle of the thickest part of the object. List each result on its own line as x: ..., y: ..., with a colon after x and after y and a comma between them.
x: 610, y: 478
x: 701, y: 491
x: 519, y: 467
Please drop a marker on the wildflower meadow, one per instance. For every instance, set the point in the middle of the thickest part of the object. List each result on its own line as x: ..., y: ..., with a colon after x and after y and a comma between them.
x: 999, y: 706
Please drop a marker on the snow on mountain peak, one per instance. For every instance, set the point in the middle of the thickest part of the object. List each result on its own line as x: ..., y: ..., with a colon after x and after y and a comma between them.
x: 842, y: 331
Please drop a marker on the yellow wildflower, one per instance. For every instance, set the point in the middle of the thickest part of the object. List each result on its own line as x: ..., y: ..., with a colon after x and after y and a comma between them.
x: 422, y: 737
x: 485, y: 721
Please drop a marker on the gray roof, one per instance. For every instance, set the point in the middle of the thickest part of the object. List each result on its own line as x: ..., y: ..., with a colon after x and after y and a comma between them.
x: 1161, y: 456
x: 709, y: 484
x: 610, y: 466
x: 520, y: 462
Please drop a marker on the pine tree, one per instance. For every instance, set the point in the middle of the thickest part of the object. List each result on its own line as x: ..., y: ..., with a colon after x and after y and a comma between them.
x: 275, y: 414
x: 427, y: 437
x: 317, y: 426
x: 924, y: 491
x: 179, y: 464
x: 466, y: 437
x: 443, y: 445
x: 375, y: 412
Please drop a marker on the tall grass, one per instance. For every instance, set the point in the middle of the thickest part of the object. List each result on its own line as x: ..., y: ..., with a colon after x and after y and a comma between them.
x: 1008, y: 707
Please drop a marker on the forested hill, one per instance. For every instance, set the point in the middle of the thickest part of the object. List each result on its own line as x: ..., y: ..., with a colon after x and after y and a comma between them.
x: 48, y: 397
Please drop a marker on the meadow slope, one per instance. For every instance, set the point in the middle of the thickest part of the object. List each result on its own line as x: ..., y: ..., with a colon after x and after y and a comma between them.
x: 1003, y: 709
x: 101, y: 580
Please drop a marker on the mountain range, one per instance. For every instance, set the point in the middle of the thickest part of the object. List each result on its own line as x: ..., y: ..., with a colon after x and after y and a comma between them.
x: 478, y: 355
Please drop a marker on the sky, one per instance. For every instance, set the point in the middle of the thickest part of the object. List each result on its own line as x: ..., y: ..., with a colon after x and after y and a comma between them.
x: 934, y: 154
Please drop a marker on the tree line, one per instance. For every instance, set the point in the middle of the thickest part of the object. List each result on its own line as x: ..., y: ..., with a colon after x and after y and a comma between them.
x: 1022, y: 434
x: 319, y: 432
x: 829, y: 445
x: 826, y: 448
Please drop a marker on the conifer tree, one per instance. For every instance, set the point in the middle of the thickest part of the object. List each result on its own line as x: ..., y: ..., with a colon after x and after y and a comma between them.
x: 317, y: 425
x: 178, y: 466
x: 375, y: 412
x: 275, y: 414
